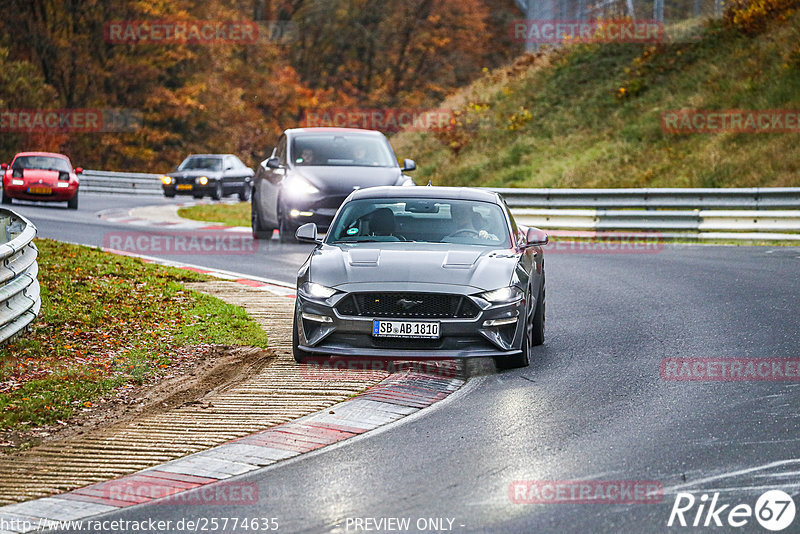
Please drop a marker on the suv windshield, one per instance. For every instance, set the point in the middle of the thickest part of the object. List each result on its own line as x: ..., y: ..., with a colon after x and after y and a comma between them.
x: 45, y: 163
x: 200, y: 163
x: 421, y: 219
x: 351, y: 150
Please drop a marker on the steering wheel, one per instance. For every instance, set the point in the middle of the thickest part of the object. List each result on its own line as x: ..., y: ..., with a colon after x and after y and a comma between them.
x: 473, y: 233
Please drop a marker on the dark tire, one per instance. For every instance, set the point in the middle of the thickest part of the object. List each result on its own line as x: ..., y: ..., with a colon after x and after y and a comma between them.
x: 197, y: 196
x: 539, y: 317
x: 169, y: 194
x: 73, y: 202
x: 259, y: 231
x: 299, y: 355
x: 245, y: 192
x: 217, y: 194
x: 524, y: 358
x: 6, y: 198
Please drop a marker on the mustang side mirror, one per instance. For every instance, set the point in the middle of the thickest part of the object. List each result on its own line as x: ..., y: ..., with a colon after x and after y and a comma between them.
x: 308, y: 234
x: 535, y: 238
x: 408, y: 165
x: 78, y: 170
x: 274, y: 163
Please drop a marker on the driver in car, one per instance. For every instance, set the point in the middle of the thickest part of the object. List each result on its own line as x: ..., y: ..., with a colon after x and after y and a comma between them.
x: 469, y: 223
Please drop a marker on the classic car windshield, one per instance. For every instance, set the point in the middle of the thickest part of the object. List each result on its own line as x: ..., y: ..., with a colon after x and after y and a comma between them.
x: 41, y: 163
x: 341, y: 150
x: 201, y: 163
x: 421, y: 220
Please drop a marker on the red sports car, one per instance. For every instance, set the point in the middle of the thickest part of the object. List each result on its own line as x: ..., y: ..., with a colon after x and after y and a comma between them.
x: 41, y: 176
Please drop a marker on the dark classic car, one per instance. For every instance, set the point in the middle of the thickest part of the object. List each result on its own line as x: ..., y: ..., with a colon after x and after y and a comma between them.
x: 422, y: 272
x: 312, y: 170
x: 215, y: 175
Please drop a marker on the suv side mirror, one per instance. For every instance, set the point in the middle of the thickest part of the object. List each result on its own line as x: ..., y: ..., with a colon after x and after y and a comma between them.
x: 78, y: 170
x: 274, y: 163
x: 308, y: 234
x: 535, y: 238
x: 408, y: 165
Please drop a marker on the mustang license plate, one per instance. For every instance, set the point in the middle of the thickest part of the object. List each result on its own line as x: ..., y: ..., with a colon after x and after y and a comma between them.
x: 410, y: 329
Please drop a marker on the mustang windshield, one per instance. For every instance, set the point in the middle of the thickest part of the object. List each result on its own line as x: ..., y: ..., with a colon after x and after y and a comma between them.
x: 423, y: 220
x: 351, y: 150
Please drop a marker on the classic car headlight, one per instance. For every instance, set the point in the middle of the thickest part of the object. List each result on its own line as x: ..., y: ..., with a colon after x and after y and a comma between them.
x: 203, y: 180
x: 318, y: 290
x: 299, y: 187
x: 504, y: 294
x: 166, y: 180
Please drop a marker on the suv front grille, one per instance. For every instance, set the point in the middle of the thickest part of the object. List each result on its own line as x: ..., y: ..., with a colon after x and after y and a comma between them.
x: 408, y: 305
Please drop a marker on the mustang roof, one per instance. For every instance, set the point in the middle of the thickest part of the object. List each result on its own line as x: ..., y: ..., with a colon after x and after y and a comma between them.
x: 452, y: 193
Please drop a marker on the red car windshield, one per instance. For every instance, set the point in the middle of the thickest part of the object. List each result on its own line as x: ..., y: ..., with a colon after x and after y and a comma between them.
x: 45, y: 163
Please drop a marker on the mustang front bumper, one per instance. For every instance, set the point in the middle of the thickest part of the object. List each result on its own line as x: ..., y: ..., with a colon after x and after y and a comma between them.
x: 324, y: 331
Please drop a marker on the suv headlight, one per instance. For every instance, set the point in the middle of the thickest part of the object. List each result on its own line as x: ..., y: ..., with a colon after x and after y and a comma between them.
x: 504, y: 294
x: 317, y: 290
x: 299, y: 187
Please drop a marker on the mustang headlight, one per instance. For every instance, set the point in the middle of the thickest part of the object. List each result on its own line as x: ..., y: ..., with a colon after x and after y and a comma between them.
x: 166, y: 180
x: 504, y: 294
x: 299, y: 187
x: 318, y: 290
x: 203, y: 180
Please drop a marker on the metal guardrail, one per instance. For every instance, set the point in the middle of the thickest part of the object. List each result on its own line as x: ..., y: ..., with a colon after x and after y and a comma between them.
x: 760, y: 213
x: 20, y: 298
x: 121, y: 183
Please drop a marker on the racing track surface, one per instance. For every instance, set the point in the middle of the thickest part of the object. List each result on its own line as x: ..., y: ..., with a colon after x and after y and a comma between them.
x: 591, y: 406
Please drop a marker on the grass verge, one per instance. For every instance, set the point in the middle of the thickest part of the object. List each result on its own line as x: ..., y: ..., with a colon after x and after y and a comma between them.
x: 107, y: 321
x: 228, y: 214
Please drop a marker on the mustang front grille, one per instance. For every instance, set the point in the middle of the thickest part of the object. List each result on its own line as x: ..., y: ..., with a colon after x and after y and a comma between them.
x: 408, y: 305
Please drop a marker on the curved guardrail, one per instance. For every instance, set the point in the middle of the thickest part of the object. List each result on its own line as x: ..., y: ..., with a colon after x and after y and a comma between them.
x: 20, y: 298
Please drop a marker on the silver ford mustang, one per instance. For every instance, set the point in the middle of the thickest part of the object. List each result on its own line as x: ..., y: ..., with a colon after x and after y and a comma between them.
x: 423, y: 272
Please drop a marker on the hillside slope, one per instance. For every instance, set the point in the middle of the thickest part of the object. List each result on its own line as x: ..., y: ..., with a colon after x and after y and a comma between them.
x: 590, y: 116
